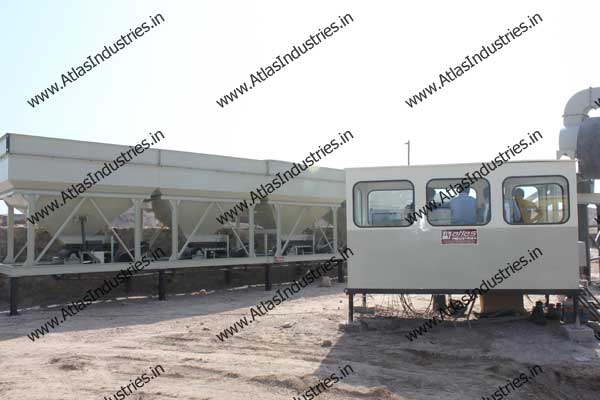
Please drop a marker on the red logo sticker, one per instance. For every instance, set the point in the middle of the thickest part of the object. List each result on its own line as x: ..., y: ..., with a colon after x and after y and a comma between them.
x: 459, y: 236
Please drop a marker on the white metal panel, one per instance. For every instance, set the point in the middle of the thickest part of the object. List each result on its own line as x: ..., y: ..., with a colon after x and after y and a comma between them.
x: 26, y: 172
x: 211, y: 162
x: 3, y: 145
x: 44, y: 167
x: 66, y: 148
x: 182, y: 181
x: 3, y: 170
x: 47, y: 164
x: 314, y: 172
x: 414, y: 258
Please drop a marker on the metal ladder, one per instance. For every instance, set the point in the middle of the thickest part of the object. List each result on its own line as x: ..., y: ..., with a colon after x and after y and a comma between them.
x: 590, y: 303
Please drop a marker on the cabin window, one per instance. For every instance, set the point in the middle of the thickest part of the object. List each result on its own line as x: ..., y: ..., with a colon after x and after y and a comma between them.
x: 383, y: 203
x: 457, y: 205
x: 536, y: 200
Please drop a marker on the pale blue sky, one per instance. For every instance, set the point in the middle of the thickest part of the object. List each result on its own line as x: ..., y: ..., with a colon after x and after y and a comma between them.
x: 356, y: 80
x: 40, y: 40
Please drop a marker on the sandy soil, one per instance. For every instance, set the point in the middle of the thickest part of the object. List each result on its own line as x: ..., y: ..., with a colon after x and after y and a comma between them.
x: 281, y: 354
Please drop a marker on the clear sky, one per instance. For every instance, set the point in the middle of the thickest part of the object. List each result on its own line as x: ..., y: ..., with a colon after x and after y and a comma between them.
x: 356, y: 80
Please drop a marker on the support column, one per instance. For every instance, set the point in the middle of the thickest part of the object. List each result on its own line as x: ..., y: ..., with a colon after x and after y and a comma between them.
x: 266, y: 239
x: 13, y: 296
x: 174, y: 229
x: 137, y: 235
x: 268, y: 284
x: 127, y: 284
x: 162, y: 289
x: 364, y: 300
x: 10, y: 235
x: 251, y: 227
x: 439, y: 302
x: 237, y: 229
x: 576, y: 309
x: 278, y: 228
x: 584, y: 186
x: 350, y: 308
x: 335, y: 229
x: 340, y: 271
x: 112, y: 249
x: 31, y: 202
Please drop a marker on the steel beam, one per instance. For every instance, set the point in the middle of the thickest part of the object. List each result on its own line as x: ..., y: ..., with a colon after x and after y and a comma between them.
x: 251, y: 228
x: 335, y: 230
x: 109, y: 225
x: 31, y: 205
x: 10, y: 235
x: 13, y: 296
x: 289, y: 237
x: 20, y: 251
x: 268, y: 283
x: 350, y: 307
x: 340, y: 271
x: 278, y: 228
x: 174, y: 229
x: 198, y: 224
x: 162, y: 288
x: 60, y: 229
x: 333, y: 250
x: 137, y: 233
x: 234, y: 232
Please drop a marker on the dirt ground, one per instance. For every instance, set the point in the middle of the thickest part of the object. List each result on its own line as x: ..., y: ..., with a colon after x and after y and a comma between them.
x: 282, y: 353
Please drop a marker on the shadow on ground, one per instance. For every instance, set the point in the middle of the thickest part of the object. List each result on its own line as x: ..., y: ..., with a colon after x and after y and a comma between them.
x: 457, y: 362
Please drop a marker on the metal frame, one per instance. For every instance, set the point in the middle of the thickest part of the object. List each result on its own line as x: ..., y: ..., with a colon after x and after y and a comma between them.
x: 176, y: 227
x: 60, y: 229
x: 175, y: 201
x: 45, y: 163
x: 234, y: 230
x: 109, y: 226
x: 351, y: 292
x: 289, y: 236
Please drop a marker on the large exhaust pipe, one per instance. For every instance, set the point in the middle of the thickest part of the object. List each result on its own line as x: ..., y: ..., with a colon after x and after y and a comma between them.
x: 580, y: 137
x: 580, y: 140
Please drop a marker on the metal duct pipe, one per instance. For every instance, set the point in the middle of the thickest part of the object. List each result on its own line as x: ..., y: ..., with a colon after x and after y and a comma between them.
x: 580, y: 137
x: 576, y: 112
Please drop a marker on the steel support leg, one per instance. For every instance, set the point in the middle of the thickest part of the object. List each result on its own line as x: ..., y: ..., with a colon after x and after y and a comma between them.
x: 341, y: 272
x: 350, y: 307
x: 576, y: 308
x: 439, y: 301
x: 127, y: 285
x: 162, y: 289
x: 268, y: 284
x: 13, y: 296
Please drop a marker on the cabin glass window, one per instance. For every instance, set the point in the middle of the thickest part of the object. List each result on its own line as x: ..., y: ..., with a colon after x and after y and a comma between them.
x: 536, y: 200
x: 455, y: 206
x: 383, y: 203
